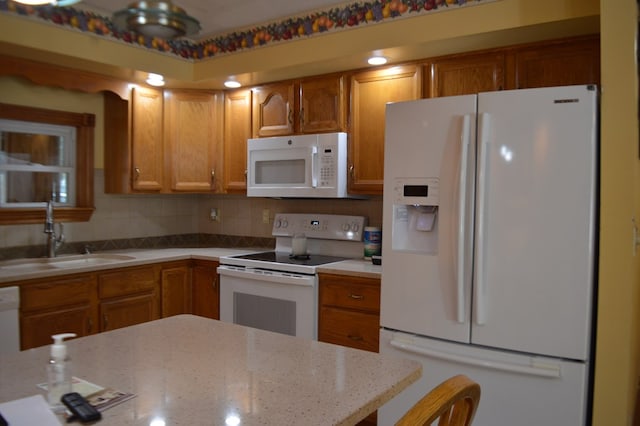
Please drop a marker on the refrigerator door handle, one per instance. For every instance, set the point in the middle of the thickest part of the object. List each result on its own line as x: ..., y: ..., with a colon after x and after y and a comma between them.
x: 480, y: 285
x: 548, y: 370
x: 462, y: 208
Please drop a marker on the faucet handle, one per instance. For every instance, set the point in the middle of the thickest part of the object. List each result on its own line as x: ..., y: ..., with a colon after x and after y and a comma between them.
x: 60, y: 237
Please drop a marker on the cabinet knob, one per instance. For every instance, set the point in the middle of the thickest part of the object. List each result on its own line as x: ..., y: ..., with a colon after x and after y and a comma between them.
x: 89, y: 325
x: 351, y: 170
x: 137, y: 171
x: 213, y: 176
x: 105, y: 320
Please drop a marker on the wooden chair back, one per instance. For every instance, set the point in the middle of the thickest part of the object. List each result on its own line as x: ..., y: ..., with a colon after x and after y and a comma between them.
x: 453, y: 402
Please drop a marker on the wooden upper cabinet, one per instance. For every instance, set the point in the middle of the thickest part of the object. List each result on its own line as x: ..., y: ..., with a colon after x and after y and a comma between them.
x: 193, y: 133
x: 309, y: 105
x: 559, y: 63
x: 370, y: 92
x: 464, y: 74
x: 322, y: 104
x: 147, y: 139
x: 273, y: 109
x: 237, y: 129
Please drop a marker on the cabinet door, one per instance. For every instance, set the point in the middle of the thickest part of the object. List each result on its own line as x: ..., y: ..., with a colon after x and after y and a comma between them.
x: 370, y: 92
x: 558, y: 64
x: 194, y: 134
x: 237, y: 129
x: 349, y: 311
x: 176, y: 290
x: 206, y: 291
x: 60, y: 305
x: 273, y: 109
x: 126, y: 311
x: 146, y: 139
x: 464, y: 75
x: 322, y: 104
x: 37, y: 329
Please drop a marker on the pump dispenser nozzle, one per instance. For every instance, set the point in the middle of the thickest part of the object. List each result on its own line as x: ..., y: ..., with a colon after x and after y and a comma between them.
x: 59, y: 349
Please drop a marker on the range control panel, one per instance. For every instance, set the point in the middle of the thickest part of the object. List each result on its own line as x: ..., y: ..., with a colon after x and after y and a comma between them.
x: 323, y: 226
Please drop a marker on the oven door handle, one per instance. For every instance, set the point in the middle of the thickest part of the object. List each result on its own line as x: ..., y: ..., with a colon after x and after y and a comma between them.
x: 266, y: 275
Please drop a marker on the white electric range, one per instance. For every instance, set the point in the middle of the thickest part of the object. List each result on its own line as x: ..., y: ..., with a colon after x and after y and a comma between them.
x: 277, y: 291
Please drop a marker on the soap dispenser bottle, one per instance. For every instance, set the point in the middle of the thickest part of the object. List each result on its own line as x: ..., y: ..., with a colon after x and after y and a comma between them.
x: 59, y: 370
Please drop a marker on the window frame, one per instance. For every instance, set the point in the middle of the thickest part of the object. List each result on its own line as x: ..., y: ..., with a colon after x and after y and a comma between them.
x: 84, y: 124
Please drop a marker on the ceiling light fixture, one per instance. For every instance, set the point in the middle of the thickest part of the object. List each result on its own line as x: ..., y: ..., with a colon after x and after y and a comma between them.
x: 155, y: 79
x: 159, y: 19
x: 377, y: 60
x: 51, y: 2
x: 232, y: 84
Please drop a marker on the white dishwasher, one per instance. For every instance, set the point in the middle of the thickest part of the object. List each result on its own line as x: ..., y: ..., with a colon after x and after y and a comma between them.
x: 9, y: 326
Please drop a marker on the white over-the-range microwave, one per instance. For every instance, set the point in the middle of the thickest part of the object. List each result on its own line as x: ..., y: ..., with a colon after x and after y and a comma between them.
x: 299, y: 166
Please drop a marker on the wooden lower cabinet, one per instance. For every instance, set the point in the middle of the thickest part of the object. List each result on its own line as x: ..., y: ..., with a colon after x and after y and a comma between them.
x: 175, y: 280
x: 349, y: 311
x: 105, y: 300
x: 128, y: 296
x: 60, y: 305
x: 206, y: 289
x: 349, y: 314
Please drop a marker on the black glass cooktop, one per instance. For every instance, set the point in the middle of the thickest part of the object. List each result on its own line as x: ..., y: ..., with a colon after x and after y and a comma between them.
x: 280, y: 257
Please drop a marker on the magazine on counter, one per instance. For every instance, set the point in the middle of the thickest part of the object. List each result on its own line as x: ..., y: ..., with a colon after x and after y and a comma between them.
x: 100, y: 397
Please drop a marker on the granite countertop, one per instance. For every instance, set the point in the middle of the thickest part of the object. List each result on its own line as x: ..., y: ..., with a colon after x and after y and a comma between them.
x: 193, y: 370
x: 12, y: 271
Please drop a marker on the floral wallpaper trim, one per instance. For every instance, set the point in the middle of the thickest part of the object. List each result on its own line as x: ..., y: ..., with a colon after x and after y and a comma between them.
x: 319, y: 22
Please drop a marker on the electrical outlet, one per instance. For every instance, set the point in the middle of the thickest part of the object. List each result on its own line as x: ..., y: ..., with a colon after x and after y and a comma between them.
x: 266, y: 216
x: 214, y: 214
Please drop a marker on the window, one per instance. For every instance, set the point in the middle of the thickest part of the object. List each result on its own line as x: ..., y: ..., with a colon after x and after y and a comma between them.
x: 45, y: 155
x: 37, y: 164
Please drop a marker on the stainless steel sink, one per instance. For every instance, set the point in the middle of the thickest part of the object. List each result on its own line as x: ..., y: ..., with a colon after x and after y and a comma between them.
x: 62, y: 262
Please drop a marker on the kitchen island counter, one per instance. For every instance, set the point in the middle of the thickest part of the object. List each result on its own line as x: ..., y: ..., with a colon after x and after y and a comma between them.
x: 192, y: 370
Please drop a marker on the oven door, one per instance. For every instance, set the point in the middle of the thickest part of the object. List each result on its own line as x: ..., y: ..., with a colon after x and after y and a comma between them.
x: 275, y: 301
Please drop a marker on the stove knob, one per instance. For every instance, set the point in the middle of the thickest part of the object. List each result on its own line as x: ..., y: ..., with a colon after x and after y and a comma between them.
x: 355, y: 227
x: 345, y: 227
x: 285, y: 223
x: 276, y: 224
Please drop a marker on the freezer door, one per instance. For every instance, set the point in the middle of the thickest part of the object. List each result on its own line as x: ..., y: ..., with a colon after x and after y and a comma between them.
x: 515, y: 389
x: 426, y: 278
x: 535, y: 220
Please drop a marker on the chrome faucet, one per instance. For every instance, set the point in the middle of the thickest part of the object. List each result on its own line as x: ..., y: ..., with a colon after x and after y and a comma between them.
x: 53, y: 241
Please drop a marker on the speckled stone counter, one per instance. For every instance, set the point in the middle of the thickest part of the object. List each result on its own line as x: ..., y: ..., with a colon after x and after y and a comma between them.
x: 189, y: 370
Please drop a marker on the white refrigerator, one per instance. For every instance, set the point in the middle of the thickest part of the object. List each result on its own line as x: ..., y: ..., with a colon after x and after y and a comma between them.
x: 489, y: 232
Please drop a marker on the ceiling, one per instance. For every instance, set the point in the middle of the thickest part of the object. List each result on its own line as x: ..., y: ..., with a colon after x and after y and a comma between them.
x: 223, y: 16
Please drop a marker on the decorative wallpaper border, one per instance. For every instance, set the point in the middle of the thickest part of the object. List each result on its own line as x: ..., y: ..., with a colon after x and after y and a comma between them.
x: 319, y: 22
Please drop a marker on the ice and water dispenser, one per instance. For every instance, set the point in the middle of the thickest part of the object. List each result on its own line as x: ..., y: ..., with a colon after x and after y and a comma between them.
x: 415, y: 215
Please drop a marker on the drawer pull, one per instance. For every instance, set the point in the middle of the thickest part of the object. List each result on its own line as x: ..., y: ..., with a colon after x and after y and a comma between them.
x: 356, y: 296
x: 355, y: 338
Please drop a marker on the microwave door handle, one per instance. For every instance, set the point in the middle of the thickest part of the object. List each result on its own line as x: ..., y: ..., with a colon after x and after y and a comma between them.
x: 314, y: 166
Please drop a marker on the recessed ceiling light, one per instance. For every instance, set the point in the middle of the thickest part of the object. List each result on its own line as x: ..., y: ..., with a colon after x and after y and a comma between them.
x: 377, y: 60
x: 155, y: 79
x: 232, y: 84
x: 52, y: 2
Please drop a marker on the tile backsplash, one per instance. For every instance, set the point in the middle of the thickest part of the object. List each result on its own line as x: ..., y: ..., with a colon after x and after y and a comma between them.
x: 176, y: 219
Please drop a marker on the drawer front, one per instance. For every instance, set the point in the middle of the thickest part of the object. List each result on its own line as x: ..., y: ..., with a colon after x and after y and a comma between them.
x: 55, y: 293
x: 350, y: 295
x: 349, y: 328
x: 126, y: 281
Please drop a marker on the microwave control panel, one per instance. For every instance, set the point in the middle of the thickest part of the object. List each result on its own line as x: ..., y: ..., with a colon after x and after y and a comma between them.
x: 328, y: 161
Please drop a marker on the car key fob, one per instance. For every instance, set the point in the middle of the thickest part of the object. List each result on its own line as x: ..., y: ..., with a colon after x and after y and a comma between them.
x: 80, y: 408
